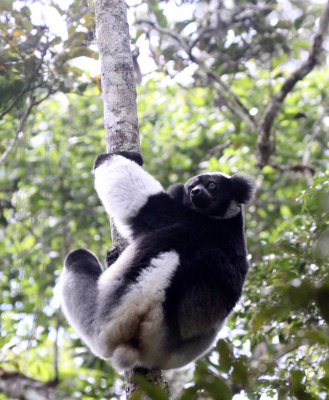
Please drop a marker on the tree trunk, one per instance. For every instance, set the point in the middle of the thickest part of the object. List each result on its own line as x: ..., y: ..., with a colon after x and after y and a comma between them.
x: 120, y: 109
x: 118, y: 81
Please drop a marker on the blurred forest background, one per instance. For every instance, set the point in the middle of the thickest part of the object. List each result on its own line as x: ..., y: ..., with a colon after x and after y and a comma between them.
x: 212, y: 70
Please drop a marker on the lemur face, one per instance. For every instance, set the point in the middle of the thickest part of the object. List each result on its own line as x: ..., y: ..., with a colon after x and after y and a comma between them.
x: 209, y: 194
x: 217, y: 194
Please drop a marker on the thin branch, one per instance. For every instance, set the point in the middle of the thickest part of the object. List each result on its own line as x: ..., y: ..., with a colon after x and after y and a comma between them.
x: 218, y: 148
x: 249, y: 12
x: 22, y: 121
x: 21, y: 124
x: 208, y: 29
x: 265, y: 146
x: 304, y: 168
x: 165, y: 31
x: 314, y: 133
x: 243, y: 109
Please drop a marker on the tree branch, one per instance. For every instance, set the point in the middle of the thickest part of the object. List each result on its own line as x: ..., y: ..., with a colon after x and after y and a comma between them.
x: 18, y: 386
x: 265, y: 146
x: 118, y: 81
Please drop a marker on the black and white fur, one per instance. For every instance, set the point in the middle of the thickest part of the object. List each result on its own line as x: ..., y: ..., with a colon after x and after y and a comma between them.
x: 163, y: 300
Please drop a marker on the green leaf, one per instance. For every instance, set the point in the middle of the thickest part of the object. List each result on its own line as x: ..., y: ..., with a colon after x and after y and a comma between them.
x: 155, y: 392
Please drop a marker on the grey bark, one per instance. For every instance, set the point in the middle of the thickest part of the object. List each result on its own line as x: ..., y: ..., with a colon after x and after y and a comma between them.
x: 120, y: 109
x: 118, y: 81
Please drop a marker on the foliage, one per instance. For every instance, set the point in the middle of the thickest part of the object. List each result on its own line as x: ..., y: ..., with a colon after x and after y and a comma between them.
x: 277, y: 340
x: 228, y: 34
x: 36, y: 59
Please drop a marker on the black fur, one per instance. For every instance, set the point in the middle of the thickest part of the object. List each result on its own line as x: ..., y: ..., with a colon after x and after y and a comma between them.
x: 212, y: 254
x: 177, y: 192
x: 242, y: 187
x: 112, y: 256
x: 131, y: 155
x: 82, y: 260
x: 213, y: 261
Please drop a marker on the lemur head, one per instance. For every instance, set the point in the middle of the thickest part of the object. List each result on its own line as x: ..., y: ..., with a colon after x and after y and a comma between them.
x: 217, y: 194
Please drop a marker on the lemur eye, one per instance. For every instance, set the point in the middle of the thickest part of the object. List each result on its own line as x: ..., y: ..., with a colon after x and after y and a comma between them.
x: 211, y: 185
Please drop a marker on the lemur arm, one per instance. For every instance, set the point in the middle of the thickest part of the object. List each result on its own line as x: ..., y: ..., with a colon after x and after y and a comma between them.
x: 124, y: 187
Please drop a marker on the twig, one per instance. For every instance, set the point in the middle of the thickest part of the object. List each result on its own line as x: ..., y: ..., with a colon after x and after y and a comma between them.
x: 314, y: 133
x: 18, y: 131
x: 203, y: 31
x: 244, y: 111
x: 305, y: 168
x: 218, y: 148
x: 21, y: 124
x: 166, y: 31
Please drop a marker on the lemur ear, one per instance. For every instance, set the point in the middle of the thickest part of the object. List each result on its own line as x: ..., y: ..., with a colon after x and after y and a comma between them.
x: 176, y: 192
x: 243, y: 187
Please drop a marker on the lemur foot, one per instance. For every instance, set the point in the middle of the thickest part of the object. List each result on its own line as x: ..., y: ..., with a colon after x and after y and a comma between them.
x: 82, y: 261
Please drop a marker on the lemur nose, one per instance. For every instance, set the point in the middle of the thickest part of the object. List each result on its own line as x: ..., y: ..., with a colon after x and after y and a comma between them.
x: 195, y: 191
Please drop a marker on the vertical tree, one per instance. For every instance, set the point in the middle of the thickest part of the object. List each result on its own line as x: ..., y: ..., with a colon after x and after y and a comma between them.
x: 120, y: 110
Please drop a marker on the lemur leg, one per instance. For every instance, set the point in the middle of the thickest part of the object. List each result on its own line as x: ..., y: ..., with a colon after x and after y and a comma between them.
x: 78, y: 283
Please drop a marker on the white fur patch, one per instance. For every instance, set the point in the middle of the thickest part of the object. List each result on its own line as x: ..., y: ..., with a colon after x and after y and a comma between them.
x: 139, y: 317
x: 124, y: 188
